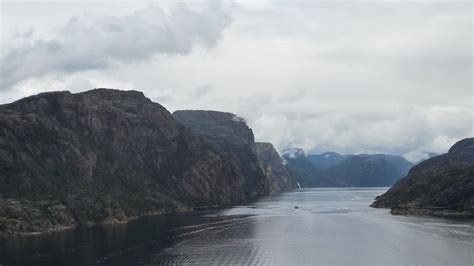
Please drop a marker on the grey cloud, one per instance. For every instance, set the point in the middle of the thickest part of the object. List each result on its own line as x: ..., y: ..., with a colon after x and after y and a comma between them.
x: 24, y: 34
x: 202, y: 91
x: 371, y: 76
x: 98, y: 43
x: 409, y: 131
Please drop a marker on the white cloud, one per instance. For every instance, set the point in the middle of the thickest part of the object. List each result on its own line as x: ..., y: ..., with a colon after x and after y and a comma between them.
x: 95, y: 43
x: 344, y: 76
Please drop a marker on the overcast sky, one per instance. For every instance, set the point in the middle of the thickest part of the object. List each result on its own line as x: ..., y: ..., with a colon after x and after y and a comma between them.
x: 346, y: 76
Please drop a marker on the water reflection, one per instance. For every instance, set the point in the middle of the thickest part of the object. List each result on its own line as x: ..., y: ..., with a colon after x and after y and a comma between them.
x: 329, y: 226
x: 123, y: 244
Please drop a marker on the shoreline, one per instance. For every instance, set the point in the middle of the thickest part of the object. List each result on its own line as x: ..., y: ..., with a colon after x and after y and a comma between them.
x: 110, y: 221
x: 113, y: 221
x: 429, y: 212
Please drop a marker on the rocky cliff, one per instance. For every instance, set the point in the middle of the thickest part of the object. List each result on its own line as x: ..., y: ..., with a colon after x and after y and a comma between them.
x: 106, y: 156
x: 442, y: 185
x: 229, y: 136
x: 272, y: 164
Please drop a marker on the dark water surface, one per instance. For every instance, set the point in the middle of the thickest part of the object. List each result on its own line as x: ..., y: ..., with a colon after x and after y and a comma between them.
x: 331, y: 226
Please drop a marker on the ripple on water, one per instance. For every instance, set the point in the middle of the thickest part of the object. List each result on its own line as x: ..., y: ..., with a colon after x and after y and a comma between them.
x: 330, y: 226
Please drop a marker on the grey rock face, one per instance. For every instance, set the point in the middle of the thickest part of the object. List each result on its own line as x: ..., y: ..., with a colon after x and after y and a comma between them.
x: 229, y: 136
x: 440, y: 186
x: 272, y: 164
x: 103, y: 156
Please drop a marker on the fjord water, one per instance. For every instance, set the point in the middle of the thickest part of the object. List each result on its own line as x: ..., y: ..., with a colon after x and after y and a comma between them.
x: 329, y: 226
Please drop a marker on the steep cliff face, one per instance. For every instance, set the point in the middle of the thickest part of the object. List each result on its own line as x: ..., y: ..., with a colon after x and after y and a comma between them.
x: 442, y: 185
x: 272, y: 164
x: 102, y: 156
x: 230, y: 137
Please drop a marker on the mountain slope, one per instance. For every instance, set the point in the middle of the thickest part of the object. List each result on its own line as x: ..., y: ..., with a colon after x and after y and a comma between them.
x: 229, y: 136
x: 303, y: 170
x: 326, y: 159
x: 368, y: 170
x: 272, y: 164
x: 442, y: 185
x: 332, y: 169
x: 102, y: 156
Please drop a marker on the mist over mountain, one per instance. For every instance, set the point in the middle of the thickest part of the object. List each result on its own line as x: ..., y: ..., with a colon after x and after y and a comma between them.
x: 428, y: 155
x: 303, y: 171
x: 326, y: 159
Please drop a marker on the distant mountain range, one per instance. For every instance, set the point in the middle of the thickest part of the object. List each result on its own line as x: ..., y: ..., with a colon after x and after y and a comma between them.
x: 302, y: 169
x: 326, y: 159
x: 441, y: 186
x: 333, y: 169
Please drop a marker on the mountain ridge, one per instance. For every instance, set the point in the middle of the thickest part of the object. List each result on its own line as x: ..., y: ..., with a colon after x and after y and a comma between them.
x: 333, y: 169
x: 440, y: 186
x: 107, y: 156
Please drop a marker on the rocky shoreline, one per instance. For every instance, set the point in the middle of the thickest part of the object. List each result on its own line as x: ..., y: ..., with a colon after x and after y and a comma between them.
x: 19, y: 219
x: 439, y: 212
